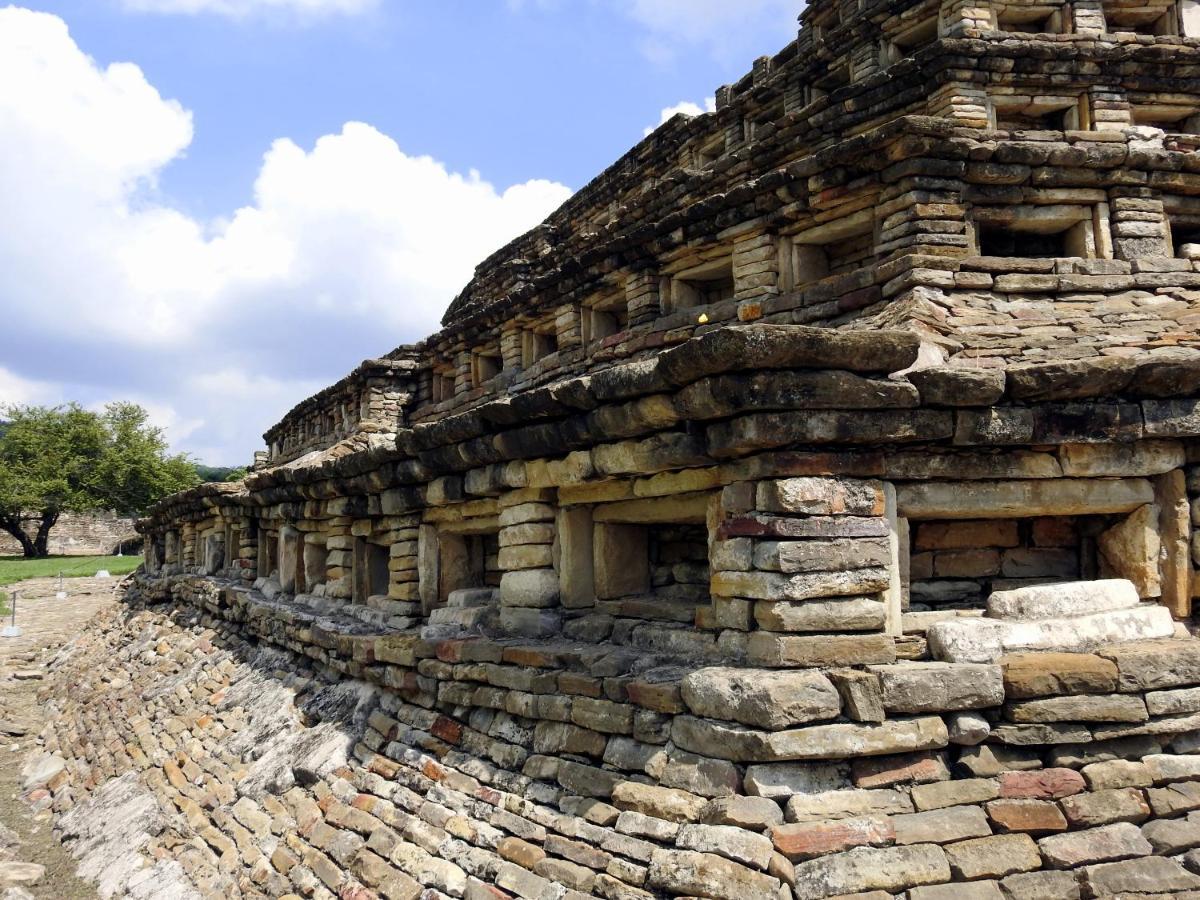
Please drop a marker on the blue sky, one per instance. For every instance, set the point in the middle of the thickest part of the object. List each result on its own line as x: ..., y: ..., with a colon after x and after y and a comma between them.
x: 219, y: 206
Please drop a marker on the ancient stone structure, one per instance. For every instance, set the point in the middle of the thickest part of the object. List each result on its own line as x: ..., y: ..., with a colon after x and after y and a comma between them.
x: 82, y: 534
x: 808, y: 508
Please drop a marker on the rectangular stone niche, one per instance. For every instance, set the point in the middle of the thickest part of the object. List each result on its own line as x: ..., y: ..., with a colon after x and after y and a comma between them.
x: 652, y: 571
x: 372, y: 575
x: 467, y: 560
x: 957, y: 564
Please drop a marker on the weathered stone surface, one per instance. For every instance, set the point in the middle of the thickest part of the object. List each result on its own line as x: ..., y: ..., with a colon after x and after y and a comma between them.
x: 707, y: 875
x: 772, y: 700
x: 1063, y: 497
x: 958, y: 386
x: 939, y: 687
x: 803, y: 841
x: 866, y: 869
x: 974, y: 890
x: 791, y: 557
x: 1041, y: 886
x: 1131, y: 549
x: 1078, y: 598
x: 1106, y: 807
x: 1169, y: 837
x: 779, y: 781
x: 777, y: 586
x: 1121, y: 460
x: 1155, y: 665
x: 1026, y: 817
x: 766, y: 648
x: 1108, y: 842
x: 968, y: 729
x: 661, y: 803
x: 1170, y: 703
x: 907, y: 768
x: 993, y: 857
x: 1093, y: 708
x: 1047, y: 784
x: 846, y: 804
x: 1152, y: 875
x: 954, y: 793
x: 1045, y: 674
x: 862, y: 696
x: 941, y: 826
x: 754, y: 813
x: 733, y: 843
x: 820, y: 497
x: 841, y: 615
x: 986, y: 640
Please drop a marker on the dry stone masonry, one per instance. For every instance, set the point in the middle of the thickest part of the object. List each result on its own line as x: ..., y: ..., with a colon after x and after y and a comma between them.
x: 809, y: 508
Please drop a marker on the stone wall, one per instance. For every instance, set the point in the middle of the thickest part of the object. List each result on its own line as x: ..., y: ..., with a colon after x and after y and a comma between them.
x: 83, y: 534
x: 400, y: 767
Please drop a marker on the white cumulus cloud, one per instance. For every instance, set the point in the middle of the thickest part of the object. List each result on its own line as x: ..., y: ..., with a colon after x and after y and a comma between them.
x: 687, y: 108
x: 346, y: 249
x: 241, y: 9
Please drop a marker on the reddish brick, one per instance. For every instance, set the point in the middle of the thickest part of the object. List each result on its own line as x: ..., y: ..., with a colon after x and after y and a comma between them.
x: 448, y: 730
x: 1047, y: 784
x: 1026, y: 816
x: 808, y: 841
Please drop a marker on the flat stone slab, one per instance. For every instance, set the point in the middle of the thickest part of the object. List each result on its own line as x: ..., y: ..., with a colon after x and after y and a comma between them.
x: 1056, y: 601
x: 986, y: 640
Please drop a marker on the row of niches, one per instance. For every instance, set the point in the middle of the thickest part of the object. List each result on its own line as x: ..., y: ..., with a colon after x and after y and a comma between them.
x: 906, y: 34
x: 698, y: 282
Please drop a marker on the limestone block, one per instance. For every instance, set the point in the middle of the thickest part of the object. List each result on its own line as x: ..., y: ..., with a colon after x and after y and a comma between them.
x: 804, y: 808
x: 958, y: 386
x: 862, y: 696
x: 893, y: 869
x: 1092, y: 708
x: 1043, y: 674
x: 532, y: 588
x: 954, y: 793
x: 1130, y: 550
x: 810, y: 840
x: 620, y: 560
x: 1026, y: 817
x: 780, y: 781
x: 1152, y: 875
x: 766, y: 648
x: 534, y: 623
x: 707, y: 875
x: 791, y: 557
x: 1054, y: 497
x: 1106, y: 807
x: 986, y: 640
x: 733, y: 843
x: 773, y: 586
x: 1078, y: 598
x: 939, y: 687
x: 821, y: 497
x: 771, y: 700
x: 993, y: 857
x: 848, y: 614
x: 1047, y: 885
x: 941, y: 826
x: 1121, y: 460
x: 1093, y: 845
x: 1155, y: 665
x: 753, y: 813
x: 968, y: 729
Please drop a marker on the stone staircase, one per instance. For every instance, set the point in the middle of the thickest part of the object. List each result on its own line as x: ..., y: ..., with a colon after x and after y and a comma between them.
x: 471, y: 611
x: 1075, y: 616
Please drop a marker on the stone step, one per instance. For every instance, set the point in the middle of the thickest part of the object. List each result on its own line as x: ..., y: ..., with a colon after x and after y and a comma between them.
x: 471, y: 597
x: 1058, y: 601
x: 986, y: 640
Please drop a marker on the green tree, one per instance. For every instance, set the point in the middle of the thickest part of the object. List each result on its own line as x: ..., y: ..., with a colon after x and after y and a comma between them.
x: 69, y: 459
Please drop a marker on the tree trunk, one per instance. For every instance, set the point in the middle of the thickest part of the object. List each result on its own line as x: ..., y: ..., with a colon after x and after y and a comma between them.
x: 41, y: 542
x: 14, y: 526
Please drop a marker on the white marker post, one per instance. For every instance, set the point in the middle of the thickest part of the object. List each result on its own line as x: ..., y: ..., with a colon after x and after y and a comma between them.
x: 11, y: 630
x: 62, y: 589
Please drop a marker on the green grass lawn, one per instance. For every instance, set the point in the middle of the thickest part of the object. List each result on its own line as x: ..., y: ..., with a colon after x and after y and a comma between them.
x: 14, y: 568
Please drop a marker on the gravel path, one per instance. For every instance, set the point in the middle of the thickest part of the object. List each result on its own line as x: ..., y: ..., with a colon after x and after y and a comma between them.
x: 46, y: 624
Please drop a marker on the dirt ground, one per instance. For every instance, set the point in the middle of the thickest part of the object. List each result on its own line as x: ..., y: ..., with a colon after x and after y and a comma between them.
x: 46, y: 624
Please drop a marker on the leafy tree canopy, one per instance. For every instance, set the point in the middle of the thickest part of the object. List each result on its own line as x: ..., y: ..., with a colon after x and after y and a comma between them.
x: 69, y: 459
